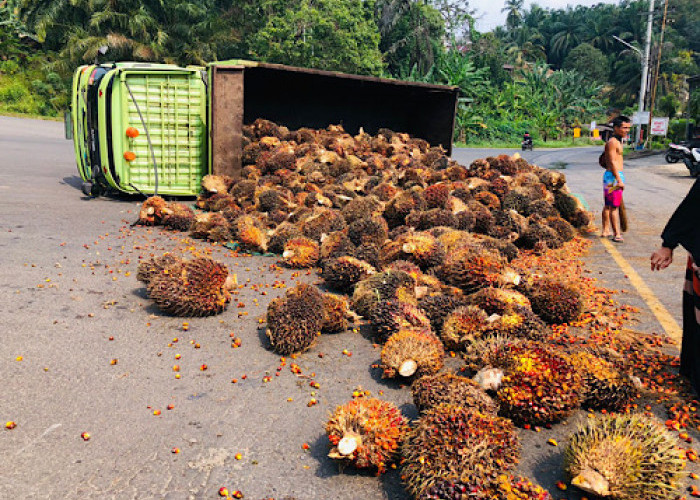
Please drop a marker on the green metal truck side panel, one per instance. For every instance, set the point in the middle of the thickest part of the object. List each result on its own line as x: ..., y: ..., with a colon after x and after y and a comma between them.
x: 79, y: 119
x: 173, y: 105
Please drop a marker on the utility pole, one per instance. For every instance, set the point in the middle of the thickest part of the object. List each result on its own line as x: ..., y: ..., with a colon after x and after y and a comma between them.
x: 645, y: 69
x: 656, y: 74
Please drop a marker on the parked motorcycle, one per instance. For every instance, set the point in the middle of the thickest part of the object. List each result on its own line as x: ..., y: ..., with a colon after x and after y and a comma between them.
x: 690, y: 156
x: 673, y: 153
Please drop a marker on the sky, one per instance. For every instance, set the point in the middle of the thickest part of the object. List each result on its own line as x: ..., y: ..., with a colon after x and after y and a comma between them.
x: 489, y: 13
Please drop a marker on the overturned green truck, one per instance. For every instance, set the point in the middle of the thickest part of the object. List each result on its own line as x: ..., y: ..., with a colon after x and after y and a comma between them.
x: 141, y: 128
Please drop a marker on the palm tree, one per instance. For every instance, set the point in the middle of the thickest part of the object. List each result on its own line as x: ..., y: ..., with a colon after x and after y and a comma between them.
x: 514, y: 15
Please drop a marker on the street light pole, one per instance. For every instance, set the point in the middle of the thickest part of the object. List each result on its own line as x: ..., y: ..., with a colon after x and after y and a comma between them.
x: 645, y: 67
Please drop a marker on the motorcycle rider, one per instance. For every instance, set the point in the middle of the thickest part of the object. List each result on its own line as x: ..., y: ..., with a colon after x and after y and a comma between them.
x: 527, y: 141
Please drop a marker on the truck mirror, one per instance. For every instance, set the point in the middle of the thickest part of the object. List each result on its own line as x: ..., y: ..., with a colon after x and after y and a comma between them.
x: 68, y: 125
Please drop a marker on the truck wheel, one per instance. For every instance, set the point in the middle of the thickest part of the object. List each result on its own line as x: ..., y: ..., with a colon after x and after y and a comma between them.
x: 86, y: 188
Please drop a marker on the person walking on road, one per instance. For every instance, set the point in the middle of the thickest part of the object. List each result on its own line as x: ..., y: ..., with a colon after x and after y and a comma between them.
x: 683, y: 228
x: 614, y: 179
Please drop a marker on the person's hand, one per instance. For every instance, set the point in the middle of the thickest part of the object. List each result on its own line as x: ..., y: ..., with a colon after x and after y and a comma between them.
x: 620, y: 185
x: 661, y: 258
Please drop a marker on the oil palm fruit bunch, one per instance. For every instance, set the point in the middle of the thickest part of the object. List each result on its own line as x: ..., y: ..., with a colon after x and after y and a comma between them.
x: 284, y: 232
x: 432, y: 390
x: 423, y: 249
x: 555, y: 302
x: 368, y: 231
x: 471, y: 268
x: 498, y: 300
x: 366, y: 433
x: 198, y: 289
x: 300, y: 253
x: 412, y: 352
x: 251, y: 233
x: 605, y: 386
x: 383, y: 286
x: 295, y: 320
x: 565, y: 230
x: 151, y: 212
x: 520, y: 322
x: 343, y: 273
x: 178, y: 216
x: 540, y: 386
x: 322, y: 221
x: 336, y: 311
x: 401, y: 205
x: 216, y: 184
x: 488, y: 351
x: 336, y: 244
x: 500, y: 487
x: 624, y: 457
x: 166, y: 264
x: 390, y: 316
x: 451, y: 441
x: 361, y: 207
x: 437, y: 306
x: 205, y: 224
x: 463, y: 326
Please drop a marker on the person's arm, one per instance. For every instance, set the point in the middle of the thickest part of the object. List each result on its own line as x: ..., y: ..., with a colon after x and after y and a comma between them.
x: 614, y: 159
x: 685, y: 221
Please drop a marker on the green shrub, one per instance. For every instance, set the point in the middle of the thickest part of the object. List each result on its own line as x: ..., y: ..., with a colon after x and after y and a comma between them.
x: 13, y: 93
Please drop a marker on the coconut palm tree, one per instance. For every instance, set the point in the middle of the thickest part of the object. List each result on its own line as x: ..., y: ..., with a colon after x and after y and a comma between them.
x: 514, y: 16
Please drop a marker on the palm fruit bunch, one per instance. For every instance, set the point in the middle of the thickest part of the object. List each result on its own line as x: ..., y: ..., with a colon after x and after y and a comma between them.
x: 300, y: 253
x: 166, y: 264
x: 178, y: 216
x: 554, y: 302
x: 437, y: 306
x: 295, y: 320
x: 366, y: 433
x: 152, y: 211
x: 368, y: 231
x: 336, y: 311
x: 343, y: 273
x: 486, y: 351
x: 498, y: 300
x: 199, y: 288
x: 423, y: 249
x: 211, y: 226
x: 625, y: 457
x: 390, y: 316
x: 383, y: 286
x: 401, y: 205
x: 519, y: 322
x: 605, y: 386
x: 565, y: 230
x: 412, y: 352
x: 463, y: 326
x: 539, y: 233
x: 471, y: 268
x: 279, y: 236
x: 451, y: 441
x: 250, y: 233
x: 501, y: 487
x: 335, y: 244
x: 432, y: 390
x: 540, y: 386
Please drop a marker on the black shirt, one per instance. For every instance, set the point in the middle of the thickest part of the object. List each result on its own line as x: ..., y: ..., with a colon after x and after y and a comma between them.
x: 683, y: 228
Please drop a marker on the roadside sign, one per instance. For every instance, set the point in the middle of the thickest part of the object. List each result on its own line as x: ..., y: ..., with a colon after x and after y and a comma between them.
x: 577, y: 132
x: 596, y: 133
x: 659, y: 126
x: 640, y: 118
x: 593, y: 125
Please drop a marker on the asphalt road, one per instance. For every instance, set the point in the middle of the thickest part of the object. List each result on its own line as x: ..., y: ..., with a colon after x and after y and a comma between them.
x: 67, y: 285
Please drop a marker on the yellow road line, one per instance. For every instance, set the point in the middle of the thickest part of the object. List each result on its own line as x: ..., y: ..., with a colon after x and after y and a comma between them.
x: 667, y: 322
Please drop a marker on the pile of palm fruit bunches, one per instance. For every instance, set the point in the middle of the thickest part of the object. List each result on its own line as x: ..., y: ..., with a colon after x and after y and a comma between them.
x: 425, y: 251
